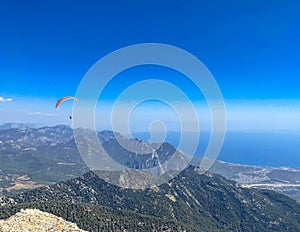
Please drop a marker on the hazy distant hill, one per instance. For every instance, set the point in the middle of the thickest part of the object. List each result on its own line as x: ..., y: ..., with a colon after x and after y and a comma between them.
x: 37, y: 156
x: 196, y: 201
x: 12, y: 125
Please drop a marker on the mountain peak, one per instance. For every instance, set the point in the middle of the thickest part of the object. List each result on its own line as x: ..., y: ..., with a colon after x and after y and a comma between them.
x: 16, y: 125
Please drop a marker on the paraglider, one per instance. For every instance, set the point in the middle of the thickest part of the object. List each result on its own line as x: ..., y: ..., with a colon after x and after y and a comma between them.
x: 64, y: 99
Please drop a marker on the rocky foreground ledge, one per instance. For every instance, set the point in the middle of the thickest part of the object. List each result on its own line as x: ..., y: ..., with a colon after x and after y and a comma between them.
x: 36, y: 220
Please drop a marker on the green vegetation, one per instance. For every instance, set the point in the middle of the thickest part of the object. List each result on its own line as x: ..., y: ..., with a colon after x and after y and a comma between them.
x: 191, y: 201
x: 198, y: 203
x: 97, y: 218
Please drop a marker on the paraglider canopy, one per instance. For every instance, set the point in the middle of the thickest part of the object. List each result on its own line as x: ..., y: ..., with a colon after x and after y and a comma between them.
x: 64, y: 99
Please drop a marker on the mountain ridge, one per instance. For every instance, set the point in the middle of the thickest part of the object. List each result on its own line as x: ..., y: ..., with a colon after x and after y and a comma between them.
x: 40, y: 156
x: 207, y: 201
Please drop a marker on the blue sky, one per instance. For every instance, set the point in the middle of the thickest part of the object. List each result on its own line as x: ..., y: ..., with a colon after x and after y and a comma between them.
x: 251, y: 48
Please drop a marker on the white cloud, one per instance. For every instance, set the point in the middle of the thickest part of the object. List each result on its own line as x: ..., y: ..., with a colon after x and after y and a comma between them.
x: 2, y: 99
x: 51, y: 114
x: 42, y: 114
x: 35, y: 113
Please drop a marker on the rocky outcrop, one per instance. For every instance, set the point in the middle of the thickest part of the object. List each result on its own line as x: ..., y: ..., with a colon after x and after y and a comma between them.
x: 36, y: 220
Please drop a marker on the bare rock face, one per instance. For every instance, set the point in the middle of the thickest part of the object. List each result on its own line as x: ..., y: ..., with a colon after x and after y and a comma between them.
x: 36, y: 220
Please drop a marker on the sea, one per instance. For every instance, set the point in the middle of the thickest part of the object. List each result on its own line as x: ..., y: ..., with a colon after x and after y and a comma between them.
x: 261, y: 148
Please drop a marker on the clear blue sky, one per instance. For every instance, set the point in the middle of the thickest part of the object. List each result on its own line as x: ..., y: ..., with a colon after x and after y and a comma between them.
x: 251, y: 47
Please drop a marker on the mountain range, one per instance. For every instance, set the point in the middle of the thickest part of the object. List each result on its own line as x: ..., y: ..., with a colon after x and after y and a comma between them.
x: 197, y: 202
x: 32, y: 157
x: 41, y: 168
